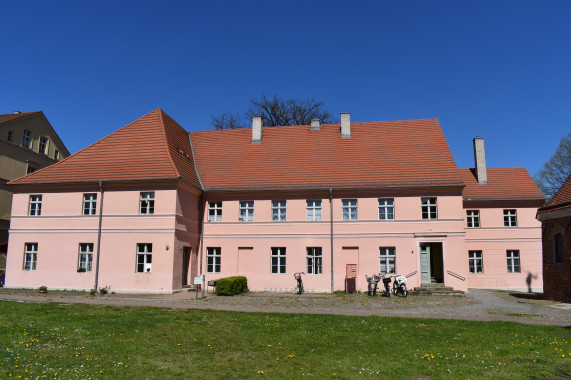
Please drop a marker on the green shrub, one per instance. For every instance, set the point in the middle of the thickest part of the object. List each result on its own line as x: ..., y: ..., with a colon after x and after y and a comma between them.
x: 230, y: 286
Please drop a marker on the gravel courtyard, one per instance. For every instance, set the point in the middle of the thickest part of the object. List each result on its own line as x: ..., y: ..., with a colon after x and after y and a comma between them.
x: 483, y: 305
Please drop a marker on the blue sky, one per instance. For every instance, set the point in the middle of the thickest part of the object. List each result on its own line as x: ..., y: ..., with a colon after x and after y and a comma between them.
x: 496, y: 69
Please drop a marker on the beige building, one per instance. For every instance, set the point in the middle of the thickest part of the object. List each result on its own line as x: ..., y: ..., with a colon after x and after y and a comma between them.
x: 27, y: 143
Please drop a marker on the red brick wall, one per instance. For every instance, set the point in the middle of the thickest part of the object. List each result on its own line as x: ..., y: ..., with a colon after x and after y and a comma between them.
x: 557, y: 276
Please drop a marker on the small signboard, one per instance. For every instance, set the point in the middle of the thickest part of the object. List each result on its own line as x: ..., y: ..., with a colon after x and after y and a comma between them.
x: 198, y: 280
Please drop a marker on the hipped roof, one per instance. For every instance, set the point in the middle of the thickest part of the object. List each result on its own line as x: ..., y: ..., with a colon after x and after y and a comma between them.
x: 412, y: 153
x: 153, y: 147
x: 503, y: 184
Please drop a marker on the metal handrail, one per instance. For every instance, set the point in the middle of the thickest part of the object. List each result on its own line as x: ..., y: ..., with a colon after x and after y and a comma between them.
x: 456, y: 275
x: 410, y: 274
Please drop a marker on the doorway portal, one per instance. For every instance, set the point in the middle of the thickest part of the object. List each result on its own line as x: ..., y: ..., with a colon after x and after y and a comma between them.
x: 431, y: 263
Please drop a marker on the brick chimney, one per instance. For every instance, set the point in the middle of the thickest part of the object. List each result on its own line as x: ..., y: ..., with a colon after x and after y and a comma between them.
x: 257, y: 129
x: 480, y: 160
x: 345, y: 124
x: 315, y: 125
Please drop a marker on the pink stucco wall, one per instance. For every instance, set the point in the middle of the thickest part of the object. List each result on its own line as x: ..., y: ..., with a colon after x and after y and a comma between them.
x: 246, y: 246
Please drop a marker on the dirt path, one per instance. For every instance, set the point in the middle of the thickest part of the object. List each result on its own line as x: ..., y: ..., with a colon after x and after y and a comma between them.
x: 477, y: 305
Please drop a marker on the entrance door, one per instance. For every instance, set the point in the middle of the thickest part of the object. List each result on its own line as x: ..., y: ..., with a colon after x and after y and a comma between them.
x: 185, y: 265
x: 431, y: 263
x: 425, y: 263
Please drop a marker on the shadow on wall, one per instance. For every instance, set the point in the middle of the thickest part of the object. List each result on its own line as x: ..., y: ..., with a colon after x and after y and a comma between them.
x: 530, y: 277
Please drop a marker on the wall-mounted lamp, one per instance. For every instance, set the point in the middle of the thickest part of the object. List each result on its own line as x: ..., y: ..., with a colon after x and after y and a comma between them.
x: 167, y: 246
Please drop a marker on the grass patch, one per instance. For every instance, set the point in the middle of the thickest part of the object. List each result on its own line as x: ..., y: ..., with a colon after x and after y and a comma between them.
x: 80, y: 341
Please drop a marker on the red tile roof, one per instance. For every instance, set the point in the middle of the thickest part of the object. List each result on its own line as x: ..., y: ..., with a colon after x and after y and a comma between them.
x: 561, y: 200
x: 153, y: 147
x: 13, y: 116
x: 378, y: 154
x: 503, y: 184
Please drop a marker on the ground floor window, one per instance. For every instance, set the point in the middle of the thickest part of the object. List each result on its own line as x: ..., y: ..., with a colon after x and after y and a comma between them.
x: 30, y: 256
x: 513, y: 261
x: 213, y: 260
x: 475, y: 262
x: 314, y: 261
x: 144, y: 257
x: 387, y: 260
x: 278, y: 260
x: 85, y: 257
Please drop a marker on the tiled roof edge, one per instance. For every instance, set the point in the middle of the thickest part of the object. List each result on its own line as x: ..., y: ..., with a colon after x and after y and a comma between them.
x: 505, y: 197
x: 338, y: 185
x: 163, y: 126
x: 194, y: 162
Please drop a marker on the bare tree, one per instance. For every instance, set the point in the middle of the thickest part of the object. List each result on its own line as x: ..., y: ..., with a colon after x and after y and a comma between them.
x: 227, y: 120
x: 556, y: 170
x: 276, y: 112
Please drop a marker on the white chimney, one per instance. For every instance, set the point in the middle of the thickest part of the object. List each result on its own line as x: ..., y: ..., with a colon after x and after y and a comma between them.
x: 257, y: 129
x: 480, y: 160
x: 345, y: 124
x: 315, y: 125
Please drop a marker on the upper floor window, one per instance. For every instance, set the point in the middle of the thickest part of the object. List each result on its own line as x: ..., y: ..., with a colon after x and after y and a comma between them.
x: 26, y: 139
x: 387, y: 260
x: 43, y: 148
x: 56, y: 154
x: 278, y: 260
x: 10, y: 136
x: 473, y: 218
x: 314, y: 260
x: 214, y: 211
x: 246, y: 211
x: 89, y: 204
x: 30, y: 256
x: 213, y: 260
x: 147, y: 203
x: 510, y: 218
x: 144, y: 257
x: 35, y: 205
x: 513, y: 261
x: 429, y: 208
x: 85, y: 259
x: 349, y: 209
x: 386, y: 209
x: 558, y: 248
x: 475, y: 262
x: 313, y: 210
x: 279, y: 211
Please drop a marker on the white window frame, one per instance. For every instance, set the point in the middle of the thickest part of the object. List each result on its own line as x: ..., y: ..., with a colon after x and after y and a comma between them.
x: 349, y: 209
x: 43, y: 145
x: 429, y: 208
x: 144, y: 262
x: 314, y: 260
x: 35, y: 207
x: 213, y: 259
x: 214, y: 211
x: 313, y: 210
x: 30, y: 256
x: 147, y: 203
x: 473, y: 218
x: 386, y: 208
x: 89, y: 204
x: 27, y: 139
x: 56, y: 154
x: 278, y: 260
x: 246, y: 211
x: 85, y: 257
x: 510, y: 218
x: 513, y: 261
x: 279, y: 211
x: 387, y: 260
x: 476, y: 261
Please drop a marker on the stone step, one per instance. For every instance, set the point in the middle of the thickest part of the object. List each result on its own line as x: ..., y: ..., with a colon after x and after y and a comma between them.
x: 435, y: 289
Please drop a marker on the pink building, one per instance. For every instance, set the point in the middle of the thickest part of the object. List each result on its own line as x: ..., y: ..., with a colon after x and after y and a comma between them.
x: 156, y: 206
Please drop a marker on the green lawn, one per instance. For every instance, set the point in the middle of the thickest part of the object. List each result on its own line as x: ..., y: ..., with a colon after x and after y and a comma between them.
x: 82, y: 341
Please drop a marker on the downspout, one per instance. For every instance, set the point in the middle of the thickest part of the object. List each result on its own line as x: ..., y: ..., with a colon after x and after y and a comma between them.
x: 202, y: 232
x: 98, y: 237
x: 331, y: 222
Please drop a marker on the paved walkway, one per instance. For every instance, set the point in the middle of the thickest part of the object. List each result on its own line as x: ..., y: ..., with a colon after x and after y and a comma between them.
x: 477, y: 305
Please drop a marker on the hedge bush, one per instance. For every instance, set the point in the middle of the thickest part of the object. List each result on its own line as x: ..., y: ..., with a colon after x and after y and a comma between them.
x: 230, y: 286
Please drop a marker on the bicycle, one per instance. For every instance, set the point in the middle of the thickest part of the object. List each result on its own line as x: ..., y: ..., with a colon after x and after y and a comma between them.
x: 299, y: 288
x: 399, y: 286
x: 372, y: 284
